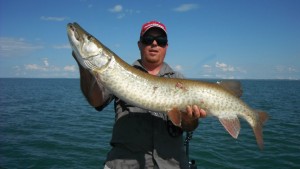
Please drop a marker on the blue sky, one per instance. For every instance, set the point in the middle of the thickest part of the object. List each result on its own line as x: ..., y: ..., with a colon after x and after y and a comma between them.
x: 241, y: 39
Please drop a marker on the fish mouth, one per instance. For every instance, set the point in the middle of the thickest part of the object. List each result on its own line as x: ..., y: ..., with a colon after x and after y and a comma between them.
x: 82, y: 41
x: 78, y: 32
x: 73, y: 32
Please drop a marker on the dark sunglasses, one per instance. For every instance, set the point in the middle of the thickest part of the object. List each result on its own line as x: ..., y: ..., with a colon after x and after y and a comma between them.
x: 148, y: 40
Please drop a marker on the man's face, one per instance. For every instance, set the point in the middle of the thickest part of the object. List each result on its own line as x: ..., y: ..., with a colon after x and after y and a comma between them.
x: 153, y: 53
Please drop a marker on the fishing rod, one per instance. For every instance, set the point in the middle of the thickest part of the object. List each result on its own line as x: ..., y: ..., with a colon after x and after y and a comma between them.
x: 188, y: 137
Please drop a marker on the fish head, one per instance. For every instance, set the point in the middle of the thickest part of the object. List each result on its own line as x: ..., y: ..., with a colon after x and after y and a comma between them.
x: 89, y: 52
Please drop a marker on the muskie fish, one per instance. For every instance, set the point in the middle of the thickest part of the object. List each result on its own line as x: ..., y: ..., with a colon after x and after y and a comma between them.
x: 162, y: 94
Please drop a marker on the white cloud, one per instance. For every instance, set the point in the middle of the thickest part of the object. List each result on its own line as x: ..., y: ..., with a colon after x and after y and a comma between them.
x: 224, y: 76
x: 178, y: 68
x: 222, y: 70
x: 46, y: 63
x: 120, y: 16
x: 224, y: 67
x: 33, y: 67
x: 70, y: 68
x: 46, y: 70
x: 292, y: 69
x: 241, y: 70
x: 286, y: 72
x: 121, y: 12
x: 116, y: 9
x: 53, y: 18
x: 186, y: 7
x: 16, y: 47
x: 44, y: 67
x: 63, y: 46
x: 207, y: 68
x: 286, y: 69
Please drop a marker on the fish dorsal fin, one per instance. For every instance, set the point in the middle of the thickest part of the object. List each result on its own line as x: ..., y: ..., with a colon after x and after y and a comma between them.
x: 233, y: 86
x: 232, y: 125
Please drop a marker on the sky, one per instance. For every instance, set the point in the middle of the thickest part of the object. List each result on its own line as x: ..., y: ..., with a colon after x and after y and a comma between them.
x: 219, y: 39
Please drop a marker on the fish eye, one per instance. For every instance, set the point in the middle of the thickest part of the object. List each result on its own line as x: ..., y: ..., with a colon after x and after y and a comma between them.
x: 89, y: 37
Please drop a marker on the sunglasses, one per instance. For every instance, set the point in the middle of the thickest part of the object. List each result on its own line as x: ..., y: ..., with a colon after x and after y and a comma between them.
x: 148, y: 40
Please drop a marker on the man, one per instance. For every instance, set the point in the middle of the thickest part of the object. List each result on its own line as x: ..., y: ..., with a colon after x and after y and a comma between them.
x: 141, y: 138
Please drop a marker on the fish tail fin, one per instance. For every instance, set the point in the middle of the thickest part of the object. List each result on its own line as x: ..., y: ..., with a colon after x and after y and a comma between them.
x: 262, y: 118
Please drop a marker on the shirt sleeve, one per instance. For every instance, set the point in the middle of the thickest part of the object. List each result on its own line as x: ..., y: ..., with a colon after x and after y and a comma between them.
x: 178, y: 75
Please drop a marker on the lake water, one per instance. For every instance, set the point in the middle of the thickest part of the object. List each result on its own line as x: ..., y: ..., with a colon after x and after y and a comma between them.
x: 47, y: 123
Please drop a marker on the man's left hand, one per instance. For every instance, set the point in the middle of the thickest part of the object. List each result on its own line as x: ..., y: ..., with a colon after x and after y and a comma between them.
x: 190, y: 117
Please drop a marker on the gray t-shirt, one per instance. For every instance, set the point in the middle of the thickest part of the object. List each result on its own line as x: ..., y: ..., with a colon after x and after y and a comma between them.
x: 145, y: 139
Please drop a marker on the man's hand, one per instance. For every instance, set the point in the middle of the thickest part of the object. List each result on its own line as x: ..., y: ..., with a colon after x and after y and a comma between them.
x: 193, y: 113
x: 190, y: 117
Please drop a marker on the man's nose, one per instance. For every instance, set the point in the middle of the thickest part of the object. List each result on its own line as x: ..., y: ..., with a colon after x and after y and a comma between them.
x: 154, y: 43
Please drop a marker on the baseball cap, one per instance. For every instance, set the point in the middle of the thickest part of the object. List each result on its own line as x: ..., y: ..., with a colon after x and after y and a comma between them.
x: 153, y: 24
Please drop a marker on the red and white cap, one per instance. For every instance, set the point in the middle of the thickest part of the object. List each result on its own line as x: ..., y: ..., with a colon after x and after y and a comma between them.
x: 153, y: 24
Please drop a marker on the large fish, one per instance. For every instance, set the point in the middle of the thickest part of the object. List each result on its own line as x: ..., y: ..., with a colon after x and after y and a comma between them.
x: 162, y: 94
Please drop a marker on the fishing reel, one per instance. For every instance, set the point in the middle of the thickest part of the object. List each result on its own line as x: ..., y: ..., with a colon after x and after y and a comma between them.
x: 192, y: 164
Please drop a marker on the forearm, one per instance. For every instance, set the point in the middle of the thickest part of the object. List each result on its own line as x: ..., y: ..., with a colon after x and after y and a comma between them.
x: 95, y: 95
x: 89, y: 88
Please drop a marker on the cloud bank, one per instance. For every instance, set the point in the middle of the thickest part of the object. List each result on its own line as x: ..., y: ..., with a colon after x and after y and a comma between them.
x: 16, y: 47
x: 186, y: 7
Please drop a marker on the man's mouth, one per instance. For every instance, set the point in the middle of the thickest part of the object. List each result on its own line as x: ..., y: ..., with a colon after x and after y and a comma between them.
x: 153, y: 51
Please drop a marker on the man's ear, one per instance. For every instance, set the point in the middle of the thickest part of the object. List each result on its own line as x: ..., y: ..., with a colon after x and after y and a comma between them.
x: 139, y: 44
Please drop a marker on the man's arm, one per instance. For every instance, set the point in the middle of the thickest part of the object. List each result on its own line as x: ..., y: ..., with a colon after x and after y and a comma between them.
x: 89, y: 87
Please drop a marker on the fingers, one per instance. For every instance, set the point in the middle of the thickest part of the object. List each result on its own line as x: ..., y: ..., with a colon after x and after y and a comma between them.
x: 195, y: 112
x: 202, y: 113
x: 190, y: 117
x: 189, y: 111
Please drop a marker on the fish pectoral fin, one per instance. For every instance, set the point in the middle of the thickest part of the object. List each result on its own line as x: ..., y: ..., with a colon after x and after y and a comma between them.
x: 233, y: 86
x: 175, y: 116
x: 232, y: 125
